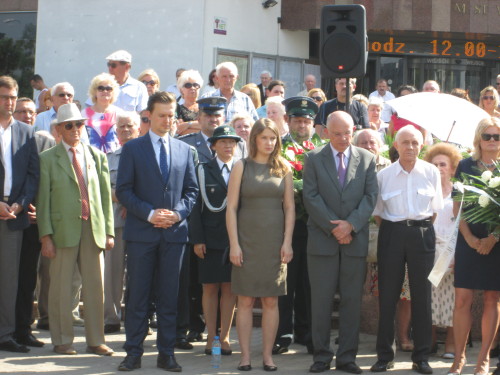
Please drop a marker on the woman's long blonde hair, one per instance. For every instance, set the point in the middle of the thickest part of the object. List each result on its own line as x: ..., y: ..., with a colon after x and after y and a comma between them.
x: 279, y: 166
x: 481, y: 128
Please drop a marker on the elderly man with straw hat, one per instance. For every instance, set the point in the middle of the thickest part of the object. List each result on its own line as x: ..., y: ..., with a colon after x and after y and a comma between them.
x: 75, y: 222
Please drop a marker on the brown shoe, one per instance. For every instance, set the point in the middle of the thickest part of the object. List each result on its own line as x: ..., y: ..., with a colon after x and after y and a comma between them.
x: 66, y: 349
x: 100, y: 350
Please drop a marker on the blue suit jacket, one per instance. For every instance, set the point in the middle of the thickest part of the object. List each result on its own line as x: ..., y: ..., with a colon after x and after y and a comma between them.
x: 25, y: 172
x: 140, y: 188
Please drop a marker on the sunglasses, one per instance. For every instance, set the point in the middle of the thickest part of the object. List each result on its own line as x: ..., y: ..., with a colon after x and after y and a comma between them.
x: 145, y: 120
x: 77, y: 124
x: 487, y: 137
x: 317, y: 98
x: 104, y: 88
x: 488, y: 97
x: 65, y: 95
x: 188, y: 85
x: 152, y: 83
x: 114, y: 65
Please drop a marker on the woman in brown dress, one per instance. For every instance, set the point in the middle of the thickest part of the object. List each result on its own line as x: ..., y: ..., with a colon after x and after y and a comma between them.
x: 260, y: 217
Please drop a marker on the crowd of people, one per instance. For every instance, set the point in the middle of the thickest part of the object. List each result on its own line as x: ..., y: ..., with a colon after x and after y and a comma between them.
x: 187, y: 193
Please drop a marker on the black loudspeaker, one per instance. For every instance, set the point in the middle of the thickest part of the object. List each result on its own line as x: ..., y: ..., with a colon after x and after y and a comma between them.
x: 343, y: 41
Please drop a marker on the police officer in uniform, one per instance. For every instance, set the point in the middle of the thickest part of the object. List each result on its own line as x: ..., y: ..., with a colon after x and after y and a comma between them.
x: 295, y: 306
x: 208, y: 234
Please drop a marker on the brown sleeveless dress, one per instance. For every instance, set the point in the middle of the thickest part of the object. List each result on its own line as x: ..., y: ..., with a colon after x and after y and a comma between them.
x: 261, y: 226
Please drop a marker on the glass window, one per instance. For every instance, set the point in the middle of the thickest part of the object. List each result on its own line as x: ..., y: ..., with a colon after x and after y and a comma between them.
x: 17, y: 48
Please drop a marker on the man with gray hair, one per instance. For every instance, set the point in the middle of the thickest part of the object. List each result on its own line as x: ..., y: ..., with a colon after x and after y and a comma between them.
x: 226, y: 75
x: 127, y: 128
x: 265, y: 79
x: 309, y: 83
x: 61, y: 93
x: 409, y: 197
x: 370, y: 140
x: 431, y: 86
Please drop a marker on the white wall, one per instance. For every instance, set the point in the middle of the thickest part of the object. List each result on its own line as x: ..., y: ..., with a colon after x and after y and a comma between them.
x: 74, y: 37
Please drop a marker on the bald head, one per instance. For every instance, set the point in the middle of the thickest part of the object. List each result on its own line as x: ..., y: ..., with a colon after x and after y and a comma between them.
x: 431, y: 86
x: 339, y: 127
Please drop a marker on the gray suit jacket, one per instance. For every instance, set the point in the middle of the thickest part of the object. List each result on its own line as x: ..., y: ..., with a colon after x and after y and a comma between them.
x: 197, y: 141
x: 326, y: 200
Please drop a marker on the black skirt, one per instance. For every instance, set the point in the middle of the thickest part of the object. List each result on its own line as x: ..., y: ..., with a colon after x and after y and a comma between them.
x: 213, y: 268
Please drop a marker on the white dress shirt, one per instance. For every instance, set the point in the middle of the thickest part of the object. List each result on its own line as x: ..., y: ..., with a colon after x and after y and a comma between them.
x: 6, y: 149
x: 415, y: 195
x: 225, y: 172
x: 80, y: 156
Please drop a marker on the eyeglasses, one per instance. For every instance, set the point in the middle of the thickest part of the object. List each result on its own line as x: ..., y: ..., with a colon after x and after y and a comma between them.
x: 488, y: 97
x: 151, y: 83
x: 188, y: 85
x: 487, y: 137
x: 104, y: 88
x: 114, y: 65
x: 145, y: 120
x: 8, y: 97
x: 65, y: 95
x: 317, y: 98
x: 69, y: 125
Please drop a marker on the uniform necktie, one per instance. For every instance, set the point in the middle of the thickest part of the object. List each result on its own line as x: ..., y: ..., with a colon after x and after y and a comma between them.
x: 341, y: 168
x: 84, y: 193
x: 225, y: 173
x: 163, y: 160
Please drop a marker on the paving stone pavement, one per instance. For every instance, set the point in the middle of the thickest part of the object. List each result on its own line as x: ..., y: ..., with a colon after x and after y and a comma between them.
x: 296, y: 361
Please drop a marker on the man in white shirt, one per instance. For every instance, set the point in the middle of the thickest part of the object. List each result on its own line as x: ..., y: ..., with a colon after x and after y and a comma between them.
x: 382, y: 93
x: 61, y: 93
x: 237, y: 102
x: 409, y: 197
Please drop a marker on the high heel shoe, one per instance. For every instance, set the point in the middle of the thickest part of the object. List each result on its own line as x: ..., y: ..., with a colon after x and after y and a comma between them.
x: 458, y: 370
x: 484, y: 368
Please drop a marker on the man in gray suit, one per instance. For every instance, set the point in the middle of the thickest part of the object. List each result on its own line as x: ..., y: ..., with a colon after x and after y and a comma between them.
x: 340, y: 192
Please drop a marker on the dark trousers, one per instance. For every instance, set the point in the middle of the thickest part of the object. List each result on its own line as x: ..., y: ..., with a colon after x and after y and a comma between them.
x: 298, y: 297
x: 399, y: 244
x: 30, y: 253
x: 142, y: 259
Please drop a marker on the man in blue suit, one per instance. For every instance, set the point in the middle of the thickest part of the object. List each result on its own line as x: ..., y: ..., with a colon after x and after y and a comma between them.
x: 157, y: 185
x: 19, y: 174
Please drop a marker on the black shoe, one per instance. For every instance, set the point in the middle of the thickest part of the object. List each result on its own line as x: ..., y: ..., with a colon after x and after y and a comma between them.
x: 194, y: 336
x: 319, y: 367
x: 12, y: 346
x: 130, y: 363
x: 310, y: 348
x: 270, y: 367
x: 244, y: 367
x: 422, y: 367
x: 497, y: 371
x: 168, y: 362
x: 382, y: 366
x: 183, y: 344
x: 350, y: 367
x: 42, y: 326
x: 495, y: 351
x: 226, y: 351
x: 29, y: 340
x: 280, y: 348
x: 153, y: 322
x: 112, y: 328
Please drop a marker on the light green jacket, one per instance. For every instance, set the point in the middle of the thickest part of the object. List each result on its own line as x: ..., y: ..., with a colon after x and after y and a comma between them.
x: 59, y: 207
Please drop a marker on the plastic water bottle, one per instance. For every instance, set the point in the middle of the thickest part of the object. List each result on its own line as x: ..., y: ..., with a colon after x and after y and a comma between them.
x: 216, y: 352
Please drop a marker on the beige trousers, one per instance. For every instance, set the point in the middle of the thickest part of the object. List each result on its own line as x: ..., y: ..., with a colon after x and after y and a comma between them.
x: 89, y: 259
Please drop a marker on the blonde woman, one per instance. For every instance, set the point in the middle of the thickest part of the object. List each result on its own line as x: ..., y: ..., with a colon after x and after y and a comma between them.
x: 488, y: 100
